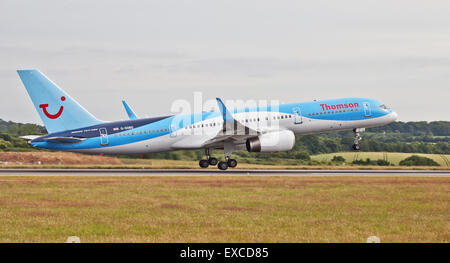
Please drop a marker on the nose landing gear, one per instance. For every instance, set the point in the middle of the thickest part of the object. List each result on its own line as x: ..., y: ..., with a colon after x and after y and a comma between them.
x: 358, y: 138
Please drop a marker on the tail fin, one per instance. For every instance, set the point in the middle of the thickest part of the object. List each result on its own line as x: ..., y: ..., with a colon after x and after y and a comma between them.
x: 57, y: 109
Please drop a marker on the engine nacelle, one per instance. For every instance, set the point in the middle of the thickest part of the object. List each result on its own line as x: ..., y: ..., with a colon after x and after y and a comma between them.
x: 281, y: 141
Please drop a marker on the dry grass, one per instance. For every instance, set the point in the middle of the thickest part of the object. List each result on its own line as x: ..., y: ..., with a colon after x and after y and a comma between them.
x: 54, y: 158
x: 224, y: 209
x: 392, y: 157
x: 77, y: 160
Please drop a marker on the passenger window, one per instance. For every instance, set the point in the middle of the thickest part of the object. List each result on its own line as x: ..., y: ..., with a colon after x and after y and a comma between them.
x: 165, y: 129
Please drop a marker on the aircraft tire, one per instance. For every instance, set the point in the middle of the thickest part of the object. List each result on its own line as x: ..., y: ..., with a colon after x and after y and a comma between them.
x: 212, y: 161
x: 232, y: 163
x: 222, y: 166
x: 203, y: 163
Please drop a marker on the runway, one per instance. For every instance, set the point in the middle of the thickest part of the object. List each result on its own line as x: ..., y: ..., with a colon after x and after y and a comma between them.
x: 211, y: 172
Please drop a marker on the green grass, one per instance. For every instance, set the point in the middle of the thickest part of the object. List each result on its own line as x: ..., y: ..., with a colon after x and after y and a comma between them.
x: 224, y: 209
x: 393, y: 158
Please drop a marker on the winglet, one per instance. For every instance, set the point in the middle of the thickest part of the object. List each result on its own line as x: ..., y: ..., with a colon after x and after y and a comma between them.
x: 226, y: 115
x: 129, y: 111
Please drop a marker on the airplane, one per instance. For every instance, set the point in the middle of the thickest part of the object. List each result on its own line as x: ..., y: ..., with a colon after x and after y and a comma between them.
x: 270, y: 128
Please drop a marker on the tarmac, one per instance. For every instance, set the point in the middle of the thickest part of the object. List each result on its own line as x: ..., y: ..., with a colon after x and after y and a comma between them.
x: 214, y: 172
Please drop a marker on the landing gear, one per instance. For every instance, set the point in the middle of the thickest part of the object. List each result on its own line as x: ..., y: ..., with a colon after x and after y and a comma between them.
x: 209, y: 160
x: 222, y: 165
x: 358, y: 138
x: 356, y: 147
x: 212, y: 161
x: 228, y: 148
x: 203, y: 163
x: 232, y: 163
x: 229, y: 163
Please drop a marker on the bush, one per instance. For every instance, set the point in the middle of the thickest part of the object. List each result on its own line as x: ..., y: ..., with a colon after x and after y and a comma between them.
x: 370, y: 162
x: 5, y: 145
x: 383, y: 162
x: 418, y: 160
x: 338, y: 159
x: 303, y: 156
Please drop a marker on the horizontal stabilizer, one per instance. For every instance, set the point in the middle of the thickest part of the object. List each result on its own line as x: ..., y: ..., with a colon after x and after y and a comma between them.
x: 30, y: 137
x: 64, y: 139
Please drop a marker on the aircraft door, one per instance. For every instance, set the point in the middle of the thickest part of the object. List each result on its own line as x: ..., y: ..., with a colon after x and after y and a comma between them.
x: 297, y: 115
x: 367, y: 109
x: 103, y: 136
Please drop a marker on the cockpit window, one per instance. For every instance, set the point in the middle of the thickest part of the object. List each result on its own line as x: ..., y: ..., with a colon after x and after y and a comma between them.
x: 384, y: 107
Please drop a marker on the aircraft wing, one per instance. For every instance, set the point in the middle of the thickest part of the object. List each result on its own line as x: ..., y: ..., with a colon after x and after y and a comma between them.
x: 232, y: 131
x: 129, y: 111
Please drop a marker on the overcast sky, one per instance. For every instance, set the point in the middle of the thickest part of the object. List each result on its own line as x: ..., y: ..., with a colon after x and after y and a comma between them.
x: 152, y: 53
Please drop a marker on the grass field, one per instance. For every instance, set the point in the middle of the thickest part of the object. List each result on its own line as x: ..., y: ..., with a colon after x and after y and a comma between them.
x: 76, y: 160
x: 224, y: 209
x: 394, y: 158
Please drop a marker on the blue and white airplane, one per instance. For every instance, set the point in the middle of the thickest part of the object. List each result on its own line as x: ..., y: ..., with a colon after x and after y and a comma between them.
x: 257, y: 129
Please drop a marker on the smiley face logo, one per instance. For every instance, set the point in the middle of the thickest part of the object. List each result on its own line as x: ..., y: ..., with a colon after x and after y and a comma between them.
x: 52, y: 116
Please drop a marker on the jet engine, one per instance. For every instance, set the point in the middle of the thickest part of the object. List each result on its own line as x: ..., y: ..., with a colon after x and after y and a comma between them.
x: 272, y: 142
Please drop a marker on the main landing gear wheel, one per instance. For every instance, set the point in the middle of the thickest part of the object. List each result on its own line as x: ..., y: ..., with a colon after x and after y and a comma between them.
x: 232, y: 163
x: 209, y: 160
x: 222, y: 166
x: 203, y: 163
x: 212, y: 161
